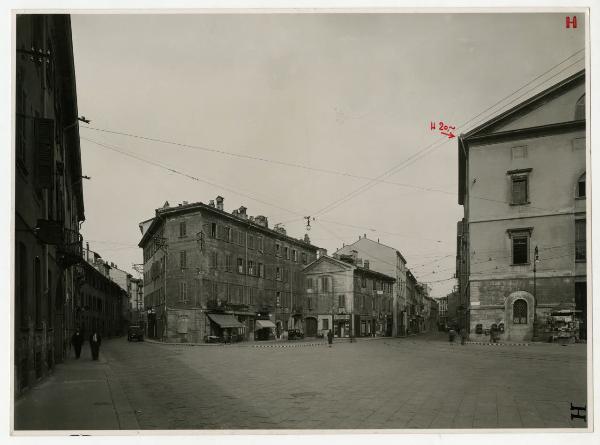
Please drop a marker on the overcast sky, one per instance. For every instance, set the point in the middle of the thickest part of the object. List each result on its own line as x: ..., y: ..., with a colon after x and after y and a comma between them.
x: 345, y: 92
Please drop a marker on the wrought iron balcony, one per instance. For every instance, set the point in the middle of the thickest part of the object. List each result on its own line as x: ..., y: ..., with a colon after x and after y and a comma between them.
x: 68, y: 242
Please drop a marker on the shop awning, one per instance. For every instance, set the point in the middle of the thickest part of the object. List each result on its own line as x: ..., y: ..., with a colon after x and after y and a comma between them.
x: 261, y: 324
x: 226, y: 320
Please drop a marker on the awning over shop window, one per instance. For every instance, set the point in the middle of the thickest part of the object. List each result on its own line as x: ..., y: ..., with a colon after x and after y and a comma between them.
x: 261, y: 324
x: 226, y: 320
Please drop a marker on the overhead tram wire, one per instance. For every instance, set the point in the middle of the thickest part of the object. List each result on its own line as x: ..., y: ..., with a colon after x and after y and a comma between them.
x: 329, y: 171
x: 431, y: 147
x: 194, y: 178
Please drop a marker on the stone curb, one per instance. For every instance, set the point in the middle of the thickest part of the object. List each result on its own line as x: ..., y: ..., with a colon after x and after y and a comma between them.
x: 297, y: 345
x: 275, y: 345
x: 495, y: 344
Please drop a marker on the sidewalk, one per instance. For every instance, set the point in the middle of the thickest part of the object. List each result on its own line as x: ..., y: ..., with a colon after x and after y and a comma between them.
x: 81, y: 395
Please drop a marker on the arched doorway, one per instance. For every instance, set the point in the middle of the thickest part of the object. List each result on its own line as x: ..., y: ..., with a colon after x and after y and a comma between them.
x: 311, y: 327
x: 518, y: 316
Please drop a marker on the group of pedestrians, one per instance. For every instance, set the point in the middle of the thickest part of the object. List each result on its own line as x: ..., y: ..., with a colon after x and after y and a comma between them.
x: 462, y: 332
x: 95, y: 340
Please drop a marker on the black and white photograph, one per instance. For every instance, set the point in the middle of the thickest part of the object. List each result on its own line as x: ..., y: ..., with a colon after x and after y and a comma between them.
x: 300, y: 220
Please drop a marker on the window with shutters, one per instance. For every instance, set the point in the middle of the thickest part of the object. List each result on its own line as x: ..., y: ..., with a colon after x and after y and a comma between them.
x: 325, y: 324
x: 44, y: 153
x: 250, y: 242
x: 261, y: 270
x: 251, y: 268
x: 23, y: 277
x: 580, y: 240
x: 49, y: 300
x: 228, y: 261
x: 228, y: 237
x: 581, y: 186
x: 37, y: 287
x: 520, y: 312
x: 213, y: 230
x: 277, y: 249
x: 342, y: 301
x: 309, y: 302
x: 21, y: 124
x: 183, y: 297
x: 519, y: 183
x: 214, y: 259
x: 304, y: 261
x: 240, y: 265
x: 286, y: 253
x: 182, y: 229
x: 259, y: 244
x: 580, y: 108
x: 294, y: 255
x: 278, y: 273
x: 309, y: 283
x: 182, y: 259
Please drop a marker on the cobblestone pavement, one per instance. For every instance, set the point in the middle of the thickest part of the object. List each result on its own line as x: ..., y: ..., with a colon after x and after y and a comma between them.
x: 419, y: 382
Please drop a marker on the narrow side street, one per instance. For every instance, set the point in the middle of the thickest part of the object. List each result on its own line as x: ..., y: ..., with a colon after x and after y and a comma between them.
x: 444, y: 385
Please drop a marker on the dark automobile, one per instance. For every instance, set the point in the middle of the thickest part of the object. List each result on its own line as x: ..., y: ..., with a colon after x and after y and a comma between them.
x: 135, y: 332
x: 295, y: 334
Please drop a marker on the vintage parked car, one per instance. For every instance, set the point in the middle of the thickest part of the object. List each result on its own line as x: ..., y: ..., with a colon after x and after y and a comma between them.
x: 295, y: 334
x: 135, y: 332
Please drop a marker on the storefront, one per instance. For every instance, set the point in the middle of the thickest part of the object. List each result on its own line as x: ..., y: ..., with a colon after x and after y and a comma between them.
x: 264, y: 330
x: 225, y: 327
x: 342, y: 326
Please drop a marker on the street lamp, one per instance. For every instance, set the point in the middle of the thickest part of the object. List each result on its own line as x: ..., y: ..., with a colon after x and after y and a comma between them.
x: 536, y: 258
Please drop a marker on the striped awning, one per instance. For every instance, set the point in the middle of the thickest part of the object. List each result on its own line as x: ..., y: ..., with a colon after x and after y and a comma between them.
x: 261, y: 324
x: 226, y: 320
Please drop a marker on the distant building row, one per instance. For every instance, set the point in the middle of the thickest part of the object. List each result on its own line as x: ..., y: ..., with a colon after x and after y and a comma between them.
x: 210, y: 275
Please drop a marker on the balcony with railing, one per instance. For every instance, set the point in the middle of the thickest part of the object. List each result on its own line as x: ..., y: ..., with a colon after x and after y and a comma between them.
x: 68, y: 242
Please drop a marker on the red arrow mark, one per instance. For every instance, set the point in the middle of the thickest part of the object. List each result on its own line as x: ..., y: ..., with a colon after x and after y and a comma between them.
x: 450, y: 135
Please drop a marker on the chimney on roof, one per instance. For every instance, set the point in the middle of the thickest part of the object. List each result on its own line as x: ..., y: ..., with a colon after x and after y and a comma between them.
x: 279, y: 228
x: 321, y: 252
x: 185, y: 203
x: 242, y: 211
x: 366, y: 264
x: 261, y: 220
x: 211, y: 203
x: 306, y: 238
x: 235, y: 212
x: 220, y: 202
x: 365, y: 235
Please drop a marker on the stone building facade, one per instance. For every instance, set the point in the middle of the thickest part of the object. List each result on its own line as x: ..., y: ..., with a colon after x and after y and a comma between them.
x: 389, y: 261
x: 48, y: 196
x: 210, y: 274
x: 352, y: 300
x: 522, y: 185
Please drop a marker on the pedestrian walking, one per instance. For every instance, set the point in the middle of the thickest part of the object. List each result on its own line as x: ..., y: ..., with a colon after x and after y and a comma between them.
x: 95, y: 341
x: 77, y: 341
x: 330, y: 337
x: 451, y: 335
x: 463, y: 336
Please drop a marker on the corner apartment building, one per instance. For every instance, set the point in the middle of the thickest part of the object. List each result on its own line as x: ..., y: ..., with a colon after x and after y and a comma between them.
x: 522, y: 184
x: 388, y: 261
x: 353, y: 300
x: 210, y: 273
x: 48, y: 195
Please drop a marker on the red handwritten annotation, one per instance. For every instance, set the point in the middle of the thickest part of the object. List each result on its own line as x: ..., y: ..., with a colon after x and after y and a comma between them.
x: 443, y: 128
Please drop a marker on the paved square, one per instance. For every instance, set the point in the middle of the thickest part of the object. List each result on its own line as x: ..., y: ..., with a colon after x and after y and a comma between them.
x: 421, y: 382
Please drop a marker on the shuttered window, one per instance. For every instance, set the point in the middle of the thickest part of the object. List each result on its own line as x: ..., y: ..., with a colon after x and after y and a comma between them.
x: 580, y: 240
x: 519, y: 190
x: 44, y: 152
